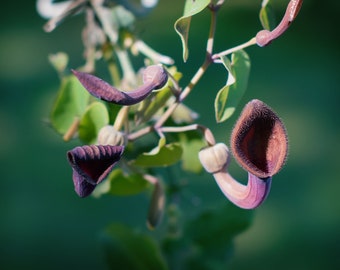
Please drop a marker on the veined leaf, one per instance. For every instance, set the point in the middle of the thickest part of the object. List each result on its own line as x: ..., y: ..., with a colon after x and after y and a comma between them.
x: 267, y: 15
x: 212, y: 233
x: 182, y: 25
x: 191, y: 147
x: 95, y: 117
x: 229, y: 96
x: 125, y: 248
x: 123, y: 185
x: 162, y: 155
x: 71, y: 103
x: 120, y: 184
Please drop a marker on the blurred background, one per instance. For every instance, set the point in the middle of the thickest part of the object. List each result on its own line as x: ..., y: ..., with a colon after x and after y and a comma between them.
x: 44, y: 225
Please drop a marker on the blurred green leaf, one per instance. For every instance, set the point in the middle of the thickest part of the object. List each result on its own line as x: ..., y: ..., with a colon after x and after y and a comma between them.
x: 212, y: 233
x: 119, y: 183
x: 229, y: 96
x: 162, y: 155
x: 191, y: 147
x: 125, y: 248
x: 267, y: 15
x: 218, y: 226
x: 59, y: 61
x: 95, y: 117
x: 71, y: 103
x: 182, y: 25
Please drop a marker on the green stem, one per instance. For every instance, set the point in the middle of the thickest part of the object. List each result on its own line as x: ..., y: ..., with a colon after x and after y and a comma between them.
x: 208, y: 135
x: 198, y: 75
x: 121, y: 118
x: 237, y: 48
x: 187, y: 90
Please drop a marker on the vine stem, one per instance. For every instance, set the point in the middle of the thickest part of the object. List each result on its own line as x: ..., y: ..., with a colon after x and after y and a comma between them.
x: 121, y: 118
x: 183, y: 95
x: 198, y: 75
x: 208, y: 135
x: 232, y: 50
x: 72, y: 129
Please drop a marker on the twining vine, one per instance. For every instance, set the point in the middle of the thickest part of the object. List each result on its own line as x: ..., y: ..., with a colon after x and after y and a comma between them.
x: 110, y: 119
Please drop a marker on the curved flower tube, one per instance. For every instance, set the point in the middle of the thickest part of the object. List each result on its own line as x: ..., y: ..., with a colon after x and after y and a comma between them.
x: 154, y: 77
x: 91, y: 164
x: 247, y: 196
x: 265, y: 37
x: 259, y: 143
x: 215, y: 160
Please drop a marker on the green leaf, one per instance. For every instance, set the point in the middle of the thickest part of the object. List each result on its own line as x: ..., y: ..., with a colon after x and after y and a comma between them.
x: 95, y: 117
x: 218, y: 226
x: 229, y: 96
x: 267, y: 15
x: 71, y: 103
x: 212, y: 233
x: 119, y: 183
x: 59, y: 61
x: 125, y: 248
x: 162, y: 155
x: 182, y: 25
x: 126, y: 184
x: 191, y: 147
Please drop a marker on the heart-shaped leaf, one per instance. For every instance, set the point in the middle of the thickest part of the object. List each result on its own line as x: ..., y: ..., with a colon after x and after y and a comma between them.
x: 95, y: 117
x: 126, y: 184
x: 71, y: 103
x: 229, y: 96
x: 182, y: 25
x: 212, y: 233
x: 191, y: 146
x: 162, y: 155
x: 125, y: 248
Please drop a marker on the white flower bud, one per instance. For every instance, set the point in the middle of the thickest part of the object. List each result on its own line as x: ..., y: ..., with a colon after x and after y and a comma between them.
x: 109, y: 136
x: 214, y: 158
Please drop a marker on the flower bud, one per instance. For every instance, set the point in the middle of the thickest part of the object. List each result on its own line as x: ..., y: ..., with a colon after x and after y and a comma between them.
x: 214, y: 158
x: 108, y: 135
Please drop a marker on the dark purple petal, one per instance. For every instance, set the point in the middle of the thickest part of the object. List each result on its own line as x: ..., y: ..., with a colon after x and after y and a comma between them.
x: 81, y: 186
x: 154, y: 77
x: 93, y: 163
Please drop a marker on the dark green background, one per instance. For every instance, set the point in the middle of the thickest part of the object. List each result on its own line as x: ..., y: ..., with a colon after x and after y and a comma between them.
x: 44, y: 225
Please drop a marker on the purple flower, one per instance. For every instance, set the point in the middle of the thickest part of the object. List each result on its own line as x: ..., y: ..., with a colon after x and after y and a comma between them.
x: 91, y: 164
